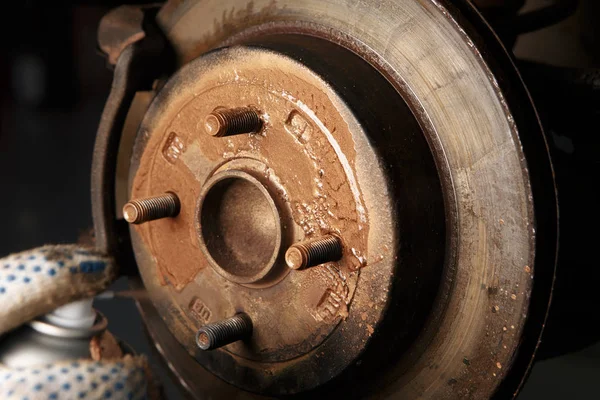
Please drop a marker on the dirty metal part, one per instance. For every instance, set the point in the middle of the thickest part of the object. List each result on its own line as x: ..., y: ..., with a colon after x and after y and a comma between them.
x: 239, y: 226
x: 314, y: 252
x: 139, y: 104
x: 541, y: 174
x: 186, y: 369
x: 232, y: 121
x: 137, y: 67
x: 456, y: 147
x: 152, y: 208
x: 120, y: 28
x: 321, y: 297
x: 488, y: 246
x: 221, y: 333
x: 319, y: 183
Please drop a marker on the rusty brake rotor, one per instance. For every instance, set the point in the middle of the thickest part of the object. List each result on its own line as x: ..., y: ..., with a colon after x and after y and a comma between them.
x: 246, y: 198
x: 379, y: 136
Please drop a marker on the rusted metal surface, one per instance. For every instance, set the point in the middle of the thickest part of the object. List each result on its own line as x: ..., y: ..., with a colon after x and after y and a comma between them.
x: 132, y: 73
x: 424, y: 235
x: 139, y: 104
x: 543, y: 186
x: 496, y: 272
x: 307, y: 171
x: 118, y: 29
x: 300, y: 173
x: 456, y: 340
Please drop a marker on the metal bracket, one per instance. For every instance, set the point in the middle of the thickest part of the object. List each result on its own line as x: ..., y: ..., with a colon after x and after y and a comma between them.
x: 133, y: 41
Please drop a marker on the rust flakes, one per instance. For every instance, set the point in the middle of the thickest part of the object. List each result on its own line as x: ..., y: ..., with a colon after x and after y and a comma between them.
x: 335, y: 300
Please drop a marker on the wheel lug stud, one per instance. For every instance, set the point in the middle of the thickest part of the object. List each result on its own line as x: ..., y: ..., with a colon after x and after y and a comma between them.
x: 222, y: 333
x: 232, y: 121
x: 151, y: 208
x: 314, y: 252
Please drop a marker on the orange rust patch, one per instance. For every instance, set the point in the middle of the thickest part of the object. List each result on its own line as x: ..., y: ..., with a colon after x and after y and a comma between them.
x: 305, y: 142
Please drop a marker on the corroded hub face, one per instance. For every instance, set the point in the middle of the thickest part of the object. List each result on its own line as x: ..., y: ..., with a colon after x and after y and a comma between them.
x: 246, y: 198
x: 310, y: 171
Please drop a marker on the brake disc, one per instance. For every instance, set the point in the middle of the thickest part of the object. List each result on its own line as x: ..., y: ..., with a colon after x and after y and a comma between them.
x: 401, y: 128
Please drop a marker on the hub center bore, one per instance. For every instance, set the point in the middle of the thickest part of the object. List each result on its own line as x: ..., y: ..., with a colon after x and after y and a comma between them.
x: 239, y: 226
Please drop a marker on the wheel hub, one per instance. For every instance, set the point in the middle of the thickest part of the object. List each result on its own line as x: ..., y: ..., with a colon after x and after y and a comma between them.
x: 246, y: 198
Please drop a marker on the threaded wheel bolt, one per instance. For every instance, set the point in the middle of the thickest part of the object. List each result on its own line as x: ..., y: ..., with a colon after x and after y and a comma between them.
x: 314, y: 252
x: 232, y: 121
x: 151, y: 208
x: 222, y: 333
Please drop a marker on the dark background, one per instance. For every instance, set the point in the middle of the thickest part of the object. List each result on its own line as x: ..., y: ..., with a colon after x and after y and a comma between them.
x: 53, y: 85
